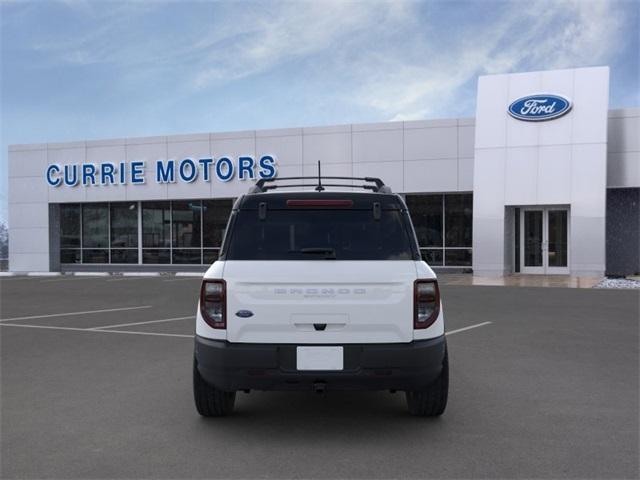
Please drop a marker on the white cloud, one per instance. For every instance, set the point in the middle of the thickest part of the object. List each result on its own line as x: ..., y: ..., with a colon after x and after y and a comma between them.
x: 390, y: 57
x: 286, y: 32
x: 539, y: 35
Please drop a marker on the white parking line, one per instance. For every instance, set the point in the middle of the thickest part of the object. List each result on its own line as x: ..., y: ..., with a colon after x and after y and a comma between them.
x: 68, y: 314
x: 48, y: 327
x: 467, y: 328
x: 157, y: 334
x: 192, y: 317
x: 73, y: 279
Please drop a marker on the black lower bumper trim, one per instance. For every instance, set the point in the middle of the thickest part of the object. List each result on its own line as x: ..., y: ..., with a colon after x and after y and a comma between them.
x: 389, y: 366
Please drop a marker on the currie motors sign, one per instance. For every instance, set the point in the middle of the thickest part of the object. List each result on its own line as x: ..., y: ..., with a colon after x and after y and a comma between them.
x: 187, y: 170
x: 537, y: 108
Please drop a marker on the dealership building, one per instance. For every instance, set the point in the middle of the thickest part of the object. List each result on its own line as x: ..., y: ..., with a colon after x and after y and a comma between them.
x: 544, y: 180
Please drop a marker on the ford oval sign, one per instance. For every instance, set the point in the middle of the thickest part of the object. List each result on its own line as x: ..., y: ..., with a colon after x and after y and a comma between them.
x: 536, y: 108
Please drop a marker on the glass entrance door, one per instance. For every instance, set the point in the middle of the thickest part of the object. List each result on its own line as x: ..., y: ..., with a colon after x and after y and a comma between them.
x: 533, y: 239
x: 544, y: 235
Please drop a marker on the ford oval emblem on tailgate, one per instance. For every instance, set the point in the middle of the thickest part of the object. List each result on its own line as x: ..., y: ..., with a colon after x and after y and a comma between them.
x: 244, y: 313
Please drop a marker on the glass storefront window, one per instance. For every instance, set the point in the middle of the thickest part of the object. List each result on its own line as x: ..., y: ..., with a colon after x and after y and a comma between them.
x: 127, y: 255
x: 458, y: 214
x: 178, y: 232
x: 186, y: 256
x: 124, y: 225
x: 70, y: 256
x: 186, y: 224
x: 427, y: 217
x: 156, y: 224
x: 210, y: 255
x: 433, y: 256
x: 215, y: 214
x: 558, y: 241
x: 443, y: 225
x: 95, y: 225
x: 459, y: 257
x: 70, y: 226
x: 70, y: 238
x: 156, y: 255
x: 95, y: 255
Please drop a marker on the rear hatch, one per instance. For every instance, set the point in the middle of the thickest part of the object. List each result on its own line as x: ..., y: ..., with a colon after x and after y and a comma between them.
x: 320, y: 268
x: 320, y: 301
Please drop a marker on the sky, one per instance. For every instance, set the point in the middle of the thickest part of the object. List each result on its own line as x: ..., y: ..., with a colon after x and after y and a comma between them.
x: 78, y: 70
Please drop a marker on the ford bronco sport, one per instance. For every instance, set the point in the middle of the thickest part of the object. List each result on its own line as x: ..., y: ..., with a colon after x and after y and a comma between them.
x: 320, y: 289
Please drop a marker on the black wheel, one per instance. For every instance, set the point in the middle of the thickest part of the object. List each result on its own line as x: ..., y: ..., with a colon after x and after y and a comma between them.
x: 432, y: 401
x: 211, y: 402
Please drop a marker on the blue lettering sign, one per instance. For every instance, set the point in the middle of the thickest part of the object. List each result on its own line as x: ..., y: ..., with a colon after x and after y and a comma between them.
x: 245, y: 165
x: 123, y: 173
x: 221, y: 165
x: 165, y: 174
x: 137, y: 173
x: 71, y: 175
x: 188, y: 175
x: 166, y: 171
x: 206, y: 168
x: 267, y: 167
x: 88, y: 174
x: 51, y: 180
x: 106, y: 172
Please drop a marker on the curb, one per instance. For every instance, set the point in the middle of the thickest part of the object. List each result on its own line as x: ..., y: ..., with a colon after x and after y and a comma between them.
x: 140, y: 274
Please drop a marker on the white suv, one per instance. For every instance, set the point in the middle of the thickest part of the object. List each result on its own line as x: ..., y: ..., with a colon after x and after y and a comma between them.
x: 320, y: 290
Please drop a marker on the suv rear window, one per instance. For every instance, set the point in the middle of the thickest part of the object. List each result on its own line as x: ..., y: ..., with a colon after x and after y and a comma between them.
x: 314, y: 234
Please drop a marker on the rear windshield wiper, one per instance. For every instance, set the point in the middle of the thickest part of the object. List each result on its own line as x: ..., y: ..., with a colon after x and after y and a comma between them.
x: 330, y: 253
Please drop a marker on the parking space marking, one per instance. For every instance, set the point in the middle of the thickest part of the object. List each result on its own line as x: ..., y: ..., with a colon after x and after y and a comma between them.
x: 109, y: 329
x: 192, y: 317
x: 467, y: 328
x: 68, y: 314
x: 74, y: 279
x: 75, y: 329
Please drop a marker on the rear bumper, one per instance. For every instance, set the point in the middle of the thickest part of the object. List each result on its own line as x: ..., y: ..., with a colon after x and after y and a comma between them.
x: 389, y: 366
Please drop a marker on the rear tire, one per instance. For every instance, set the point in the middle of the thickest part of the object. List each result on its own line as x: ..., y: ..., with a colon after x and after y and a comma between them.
x: 211, y: 402
x: 432, y: 401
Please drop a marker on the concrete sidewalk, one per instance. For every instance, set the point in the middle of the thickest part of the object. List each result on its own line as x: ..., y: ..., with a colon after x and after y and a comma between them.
x: 518, y: 280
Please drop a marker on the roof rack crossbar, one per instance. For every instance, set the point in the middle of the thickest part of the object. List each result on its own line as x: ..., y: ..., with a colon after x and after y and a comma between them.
x: 378, y: 187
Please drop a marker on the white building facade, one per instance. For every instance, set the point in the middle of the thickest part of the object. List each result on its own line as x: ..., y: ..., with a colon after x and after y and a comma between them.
x: 545, y: 179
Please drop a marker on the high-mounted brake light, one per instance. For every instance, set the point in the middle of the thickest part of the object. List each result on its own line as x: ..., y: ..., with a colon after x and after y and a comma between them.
x: 426, y: 303
x: 213, y: 303
x: 329, y: 203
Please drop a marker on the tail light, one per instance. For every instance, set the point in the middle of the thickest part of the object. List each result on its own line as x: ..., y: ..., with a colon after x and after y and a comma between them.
x: 426, y: 303
x: 213, y: 303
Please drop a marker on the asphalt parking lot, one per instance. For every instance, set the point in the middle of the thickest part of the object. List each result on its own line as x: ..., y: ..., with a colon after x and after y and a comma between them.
x: 96, y: 383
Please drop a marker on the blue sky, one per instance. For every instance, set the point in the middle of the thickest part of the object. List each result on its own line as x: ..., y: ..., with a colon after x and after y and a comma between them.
x: 75, y: 70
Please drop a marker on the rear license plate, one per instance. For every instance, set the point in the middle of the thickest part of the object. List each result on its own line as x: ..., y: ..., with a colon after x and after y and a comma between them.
x: 319, y: 358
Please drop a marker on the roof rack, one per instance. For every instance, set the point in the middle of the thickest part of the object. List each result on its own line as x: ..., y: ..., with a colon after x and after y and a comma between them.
x: 378, y: 187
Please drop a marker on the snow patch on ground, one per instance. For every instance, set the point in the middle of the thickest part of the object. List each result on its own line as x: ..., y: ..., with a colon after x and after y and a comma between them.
x: 618, y: 283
